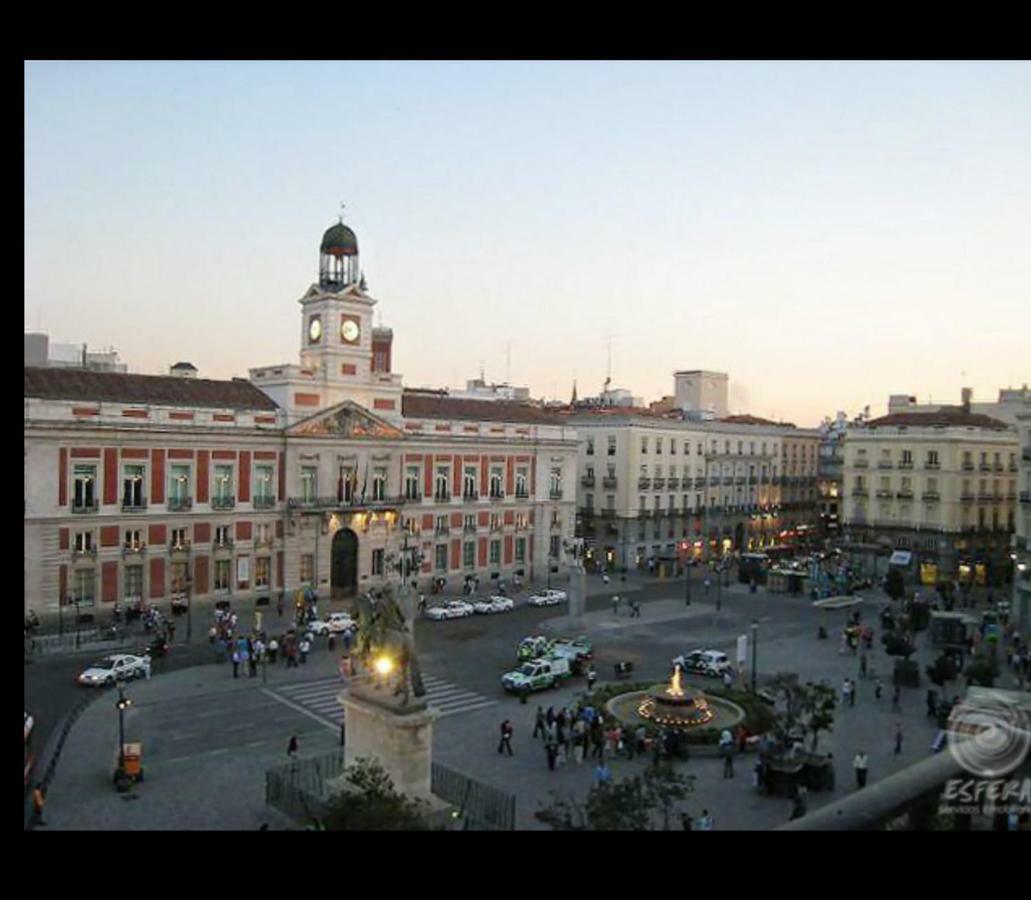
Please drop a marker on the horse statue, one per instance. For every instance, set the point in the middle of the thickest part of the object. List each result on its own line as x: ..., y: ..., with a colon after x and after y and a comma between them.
x: 382, y: 628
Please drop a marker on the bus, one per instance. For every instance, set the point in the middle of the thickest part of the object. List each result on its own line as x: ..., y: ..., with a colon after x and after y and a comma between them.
x: 30, y: 758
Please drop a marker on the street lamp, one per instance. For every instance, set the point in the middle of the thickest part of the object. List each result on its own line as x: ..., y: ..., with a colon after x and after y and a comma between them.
x: 123, y: 704
x: 755, y: 639
x: 687, y: 582
x: 189, y: 605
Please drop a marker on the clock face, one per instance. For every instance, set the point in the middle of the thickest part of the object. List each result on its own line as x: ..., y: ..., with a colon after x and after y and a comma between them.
x: 349, y: 330
x: 314, y: 330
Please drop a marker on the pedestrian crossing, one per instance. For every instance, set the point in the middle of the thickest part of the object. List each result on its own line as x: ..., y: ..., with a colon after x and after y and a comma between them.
x: 320, y: 697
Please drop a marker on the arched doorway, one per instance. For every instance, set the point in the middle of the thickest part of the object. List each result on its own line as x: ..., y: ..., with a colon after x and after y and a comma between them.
x: 343, y: 570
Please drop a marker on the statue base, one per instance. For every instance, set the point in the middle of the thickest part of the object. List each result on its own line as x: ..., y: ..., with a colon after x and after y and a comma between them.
x: 398, y: 736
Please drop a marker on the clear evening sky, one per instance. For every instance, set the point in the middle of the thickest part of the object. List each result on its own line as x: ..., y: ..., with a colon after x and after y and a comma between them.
x: 826, y: 233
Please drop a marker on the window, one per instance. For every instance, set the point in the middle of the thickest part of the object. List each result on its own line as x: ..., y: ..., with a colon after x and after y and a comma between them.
x: 379, y: 483
x: 377, y: 561
x: 610, y: 501
x: 262, y: 533
x: 469, y: 523
x: 740, y: 444
x: 612, y: 445
x: 469, y: 483
x: 412, y: 483
x: 469, y: 555
x: 644, y: 445
x: 658, y: 446
x: 610, y: 471
x: 556, y: 520
x: 496, y: 489
x: 440, y: 557
x: 555, y: 481
x: 441, y: 490
x: 222, y: 538
x: 521, y: 521
x: 178, y: 541
x: 346, y: 484
x: 590, y: 446
x: 133, y: 540
x: 589, y: 502
x: 672, y: 446
x: 223, y: 486
x: 222, y: 575
x: 442, y: 525
x: 521, y: 480
x: 520, y: 549
x: 263, y: 485
x: 554, y: 545
x: 726, y: 448
x: 307, y: 573
x: 178, y: 486
x: 84, y: 587
x: 686, y: 498
x: 907, y: 457
x: 687, y: 448
x: 309, y: 483
x: 672, y: 504
x: 495, y: 553
x: 132, y: 487
x: 642, y: 503
x: 84, y: 494
x: 132, y: 585
x: 178, y: 574
x: 495, y: 522
x: 262, y: 565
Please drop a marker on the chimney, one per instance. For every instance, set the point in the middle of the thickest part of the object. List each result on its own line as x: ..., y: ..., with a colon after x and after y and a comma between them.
x: 966, y: 394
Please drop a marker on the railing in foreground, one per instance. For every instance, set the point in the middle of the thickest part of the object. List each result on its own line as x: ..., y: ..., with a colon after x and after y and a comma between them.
x: 480, y: 806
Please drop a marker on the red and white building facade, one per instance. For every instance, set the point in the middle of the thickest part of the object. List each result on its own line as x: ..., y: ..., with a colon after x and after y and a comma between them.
x: 322, y: 475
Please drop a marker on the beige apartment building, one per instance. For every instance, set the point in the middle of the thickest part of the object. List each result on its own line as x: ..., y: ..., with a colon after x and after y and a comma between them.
x: 1021, y: 554
x: 942, y: 485
x: 659, y: 487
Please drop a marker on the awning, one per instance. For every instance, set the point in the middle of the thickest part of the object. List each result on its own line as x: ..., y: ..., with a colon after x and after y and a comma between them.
x: 900, y: 558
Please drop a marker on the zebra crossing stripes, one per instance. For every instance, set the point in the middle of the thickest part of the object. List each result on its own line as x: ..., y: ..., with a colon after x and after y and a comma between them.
x: 321, y: 696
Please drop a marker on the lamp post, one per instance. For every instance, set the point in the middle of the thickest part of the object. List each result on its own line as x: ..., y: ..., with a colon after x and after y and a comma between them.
x: 123, y: 704
x: 755, y: 639
x: 687, y: 582
x: 189, y: 605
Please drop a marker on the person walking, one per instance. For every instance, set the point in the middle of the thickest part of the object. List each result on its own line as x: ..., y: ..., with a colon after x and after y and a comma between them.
x: 304, y: 647
x: 236, y: 663
x: 635, y: 609
x: 860, y: 764
x: 846, y: 687
x: 592, y: 677
x: 896, y: 696
x: 898, y: 737
x: 862, y: 665
x: 801, y: 802
x: 851, y: 692
x: 506, y: 737
x: 704, y: 822
x: 258, y: 652
x: 686, y: 821
x: 538, y: 726
x: 728, y: 680
x: 273, y: 649
x: 878, y: 688
x: 602, y: 775
x: 292, y: 747
x: 551, y: 752
x: 728, y: 761
x: 615, y: 604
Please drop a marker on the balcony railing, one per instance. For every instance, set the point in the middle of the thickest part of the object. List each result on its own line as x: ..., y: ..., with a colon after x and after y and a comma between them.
x: 183, y: 547
x: 987, y: 498
x: 658, y: 483
x: 885, y: 495
x: 906, y: 464
x: 673, y: 483
x: 522, y: 494
x: 966, y: 498
x: 84, y: 553
x: 609, y: 482
x: 442, y: 496
x: 470, y: 495
x: 587, y: 481
x: 860, y: 492
x: 263, y: 501
x: 984, y: 467
x: 497, y: 495
x: 135, y: 507
x: 134, y: 549
x: 607, y: 513
x: 740, y: 479
x: 998, y: 467
x: 644, y: 514
x: 223, y: 502
x: 905, y: 494
x: 752, y: 479
x: 226, y: 544
x: 885, y: 464
x: 1025, y: 454
x: 1013, y: 466
x: 441, y: 530
x: 469, y: 529
x: 932, y: 465
x: 967, y: 467
x: 1025, y: 496
x: 177, y: 504
x: 334, y: 503
x: 861, y: 464
x: 555, y: 493
x: 930, y: 496
x: 91, y: 507
x: 728, y: 479
x: 644, y: 484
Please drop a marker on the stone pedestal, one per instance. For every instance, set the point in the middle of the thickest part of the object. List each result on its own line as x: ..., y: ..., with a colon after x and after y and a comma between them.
x: 577, y: 590
x: 399, y: 737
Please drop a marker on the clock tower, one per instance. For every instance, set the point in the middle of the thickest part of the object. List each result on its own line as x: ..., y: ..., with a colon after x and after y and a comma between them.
x: 342, y: 356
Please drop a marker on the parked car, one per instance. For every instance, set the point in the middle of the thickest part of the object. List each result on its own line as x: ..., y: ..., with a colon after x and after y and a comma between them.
x: 494, y: 604
x: 547, y: 598
x: 537, y: 675
x: 450, y: 609
x: 111, y: 668
x: 578, y: 651
x: 334, y: 623
x: 704, y: 662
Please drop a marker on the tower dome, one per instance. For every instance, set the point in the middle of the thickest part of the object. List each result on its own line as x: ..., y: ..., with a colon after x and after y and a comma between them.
x: 338, y: 258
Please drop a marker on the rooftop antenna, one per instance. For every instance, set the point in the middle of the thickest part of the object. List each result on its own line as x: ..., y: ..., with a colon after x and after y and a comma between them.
x: 481, y: 372
x: 342, y: 206
x: 609, y: 371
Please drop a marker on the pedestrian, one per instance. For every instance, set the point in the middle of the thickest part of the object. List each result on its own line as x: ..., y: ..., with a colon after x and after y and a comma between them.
x: 635, y: 608
x: 506, y: 737
x: 605, y: 578
x: 615, y: 604
x: 538, y: 726
x: 860, y: 764
x: 39, y: 799
x: 685, y: 821
x: 236, y: 663
x: 862, y: 665
x: 551, y: 752
x: 212, y: 634
x: 704, y: 822
x: 932, y: 703
x: 422, y: 603
x: 851, y: 692
x: 592, y: 677
x: 273, y: 650
x: 757, y: 774
x: 292, y: 747
x: 304, y: 647
x: 896, y: 704
x: 602, y: 775
x: 728, y: 680
x: 845, y: 688
x: 549, y: 717
x: 878, y: 687
x: 171, y: 631
x: 801, y: 802
x: 898, y: 737
x: 728, y: 761
x: 331, y: 643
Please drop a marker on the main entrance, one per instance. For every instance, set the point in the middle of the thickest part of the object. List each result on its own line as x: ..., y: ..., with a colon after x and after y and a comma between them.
x: 343, y: 570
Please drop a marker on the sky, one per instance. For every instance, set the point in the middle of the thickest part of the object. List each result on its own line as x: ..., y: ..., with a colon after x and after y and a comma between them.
x: 825, y: 233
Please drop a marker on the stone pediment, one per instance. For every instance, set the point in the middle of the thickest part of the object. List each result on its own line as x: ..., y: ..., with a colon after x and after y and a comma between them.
x: 348, y: 420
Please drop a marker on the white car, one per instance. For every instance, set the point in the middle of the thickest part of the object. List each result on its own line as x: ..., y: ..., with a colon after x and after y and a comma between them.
x: 494, y: 604
x: 334, y: 623
x: 111, y: 668
x: 450, y: 609
x: 705, y: 662
x: 547, y: 598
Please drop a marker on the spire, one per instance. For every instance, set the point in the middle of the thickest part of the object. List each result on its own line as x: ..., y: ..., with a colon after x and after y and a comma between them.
x: 573, y: 401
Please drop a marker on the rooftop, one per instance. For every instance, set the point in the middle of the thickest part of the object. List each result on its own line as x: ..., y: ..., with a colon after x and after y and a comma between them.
x: 437, y: 405
x: 946, y: 416
x: 159, y: 390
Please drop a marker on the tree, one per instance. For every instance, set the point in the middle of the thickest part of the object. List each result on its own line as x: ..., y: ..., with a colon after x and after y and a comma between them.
x: 894, y: 584
x: 942, y: 670
x: 898, y: 644
x: 981, y: 672
x: 370, y: 803
x: 628, y: 804
x: 818, y: 703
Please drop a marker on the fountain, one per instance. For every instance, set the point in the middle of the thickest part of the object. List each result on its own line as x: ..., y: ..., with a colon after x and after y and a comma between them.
x: 673, y: 707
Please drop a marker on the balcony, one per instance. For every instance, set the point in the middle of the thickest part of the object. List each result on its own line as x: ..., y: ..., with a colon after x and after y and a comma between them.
x: 441, y: 531
x: 998, y: 467
x: 522, y: 494
x: 1025, y: 454
x: 1013, y: 466
x: 223, y: 502
x: 610, y: 483
x: 183, y: 547
x: 752, y: 479
x: 861, y: 464
x: 263, y: 502
x: 132, y: 550
x: 930, y: 496
x: 586, y: 512
x: 728, y: 479
x: 178, y: 504
x: 906, y: 464
x: 644, y: 514
x: 1025, y: 496
x: 673, y: 484
x: 607, y: 513
x: 141, y: 506
x: 984, y: 467
x: 644, y: 484
x: 85, y: 508
x: 321, y: 504
x: 932, y: 465
x: 659, y: 483
x: 587, y: 481
x: 442, y: 497
x: 885, y: 464
x: 470, y: 495
x: 905, y: 494
x: 775, y: 479
x: 967, y: 466
x: 555, y: 493
x: 860, y: 492
x: 885, y: 494
x: 987, y: 498
x: 226, y: 544
x: 83, y: 554
x: 469, y: 529
x: 740, y: 479
x: 966, y: 498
